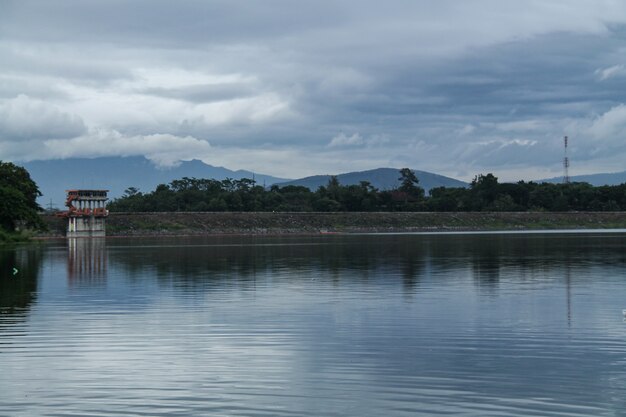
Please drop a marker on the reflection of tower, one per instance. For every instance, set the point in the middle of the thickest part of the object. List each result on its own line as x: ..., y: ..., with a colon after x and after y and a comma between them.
x: 568, y: 292
x: 86, y: 261
x: 565, y: 162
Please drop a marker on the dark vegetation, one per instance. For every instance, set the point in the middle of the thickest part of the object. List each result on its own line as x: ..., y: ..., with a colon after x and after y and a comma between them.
x: 483, y: 194
x: 18, y: 203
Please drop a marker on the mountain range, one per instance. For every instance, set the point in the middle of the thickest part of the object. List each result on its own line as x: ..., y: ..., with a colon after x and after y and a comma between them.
x: 116, y: 174
x: 381, y: 178
x: 119, y: 173
x: 614, y: 178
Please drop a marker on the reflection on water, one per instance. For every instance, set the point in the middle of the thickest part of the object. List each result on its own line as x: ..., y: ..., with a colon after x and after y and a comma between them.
x: 18, y: 291
x: 568, y: 293
x: 325, y: 325
x: 231, y: 259
x: 86, y: 261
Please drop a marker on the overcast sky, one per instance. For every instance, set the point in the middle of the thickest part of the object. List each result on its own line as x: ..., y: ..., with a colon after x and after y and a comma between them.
x: 294, y: 88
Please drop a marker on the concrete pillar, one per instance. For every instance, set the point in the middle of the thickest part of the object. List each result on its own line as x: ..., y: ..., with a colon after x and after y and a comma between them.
x: 88, y: 225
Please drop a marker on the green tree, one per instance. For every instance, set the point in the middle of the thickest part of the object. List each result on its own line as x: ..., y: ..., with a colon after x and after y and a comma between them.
x: 131, y: 192
x: 448, y: 199
x: 334, y: 188
x: 18, y: 199
x: 409, y: 184
x: 217, y: 204
x: 504, y: 202
x: 484, y: 190
x: 326, y: 204
x: 409, y: 193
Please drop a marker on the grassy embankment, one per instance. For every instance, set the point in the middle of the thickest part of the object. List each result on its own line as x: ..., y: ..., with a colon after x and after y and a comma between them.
x: 14, y: 237
x: 186, y: 223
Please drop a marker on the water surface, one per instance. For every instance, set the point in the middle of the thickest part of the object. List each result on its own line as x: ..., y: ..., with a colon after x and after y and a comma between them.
x: 367, y: 325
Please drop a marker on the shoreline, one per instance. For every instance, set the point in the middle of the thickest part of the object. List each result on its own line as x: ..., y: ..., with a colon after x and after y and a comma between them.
x: 314, y: 223
x: 398, y: 233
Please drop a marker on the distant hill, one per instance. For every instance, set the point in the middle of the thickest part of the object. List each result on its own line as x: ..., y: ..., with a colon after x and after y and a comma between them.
x: 118, y: 173
x: 615, y: 178
x: 381, y: 178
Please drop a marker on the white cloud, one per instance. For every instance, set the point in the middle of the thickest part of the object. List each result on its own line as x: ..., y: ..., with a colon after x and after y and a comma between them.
x: 610, y: 127
x: 610, y: 72
x: 521, y: 126
x: 25, y: 118
x: 344, y: 140
x: 132, y: 106
x: 172, y: 77
x: 163, y: 149
x: 356, y: 140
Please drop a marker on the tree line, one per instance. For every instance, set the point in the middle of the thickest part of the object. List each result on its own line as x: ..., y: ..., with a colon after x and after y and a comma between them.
x: 484, y: 193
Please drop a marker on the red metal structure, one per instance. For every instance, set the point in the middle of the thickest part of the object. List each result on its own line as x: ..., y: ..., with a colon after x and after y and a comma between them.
x: 90, y: 203
x: 86, y: 213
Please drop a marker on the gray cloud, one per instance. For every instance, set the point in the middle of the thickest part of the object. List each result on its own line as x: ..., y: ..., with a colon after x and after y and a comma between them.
x: 202, y: 93
x: 23, y: 118
x: 453, y: 87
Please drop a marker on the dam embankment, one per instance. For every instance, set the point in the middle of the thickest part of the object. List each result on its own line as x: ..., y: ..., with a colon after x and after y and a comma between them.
x: 256, y: 223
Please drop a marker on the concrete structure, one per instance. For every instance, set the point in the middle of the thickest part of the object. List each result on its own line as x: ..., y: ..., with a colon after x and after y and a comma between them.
x: 87, y: 212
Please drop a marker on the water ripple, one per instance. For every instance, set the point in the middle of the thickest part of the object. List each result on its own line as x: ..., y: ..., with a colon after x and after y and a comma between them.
x: 334, y: 326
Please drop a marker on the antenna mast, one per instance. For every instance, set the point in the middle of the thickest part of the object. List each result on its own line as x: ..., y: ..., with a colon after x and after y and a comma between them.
x: 565, y: 163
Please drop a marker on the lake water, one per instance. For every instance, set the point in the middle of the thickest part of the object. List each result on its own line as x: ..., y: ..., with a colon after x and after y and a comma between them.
x: 357, y: 325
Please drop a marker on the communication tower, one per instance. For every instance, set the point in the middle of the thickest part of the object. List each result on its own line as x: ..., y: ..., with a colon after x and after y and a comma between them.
x: 565, y: 163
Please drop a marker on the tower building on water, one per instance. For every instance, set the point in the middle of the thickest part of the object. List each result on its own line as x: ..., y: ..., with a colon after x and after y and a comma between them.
x: 86, y: 212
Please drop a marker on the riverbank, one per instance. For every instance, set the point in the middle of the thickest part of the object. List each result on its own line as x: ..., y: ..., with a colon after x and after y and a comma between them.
x: 7, y: 238
x: 258, y: 223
